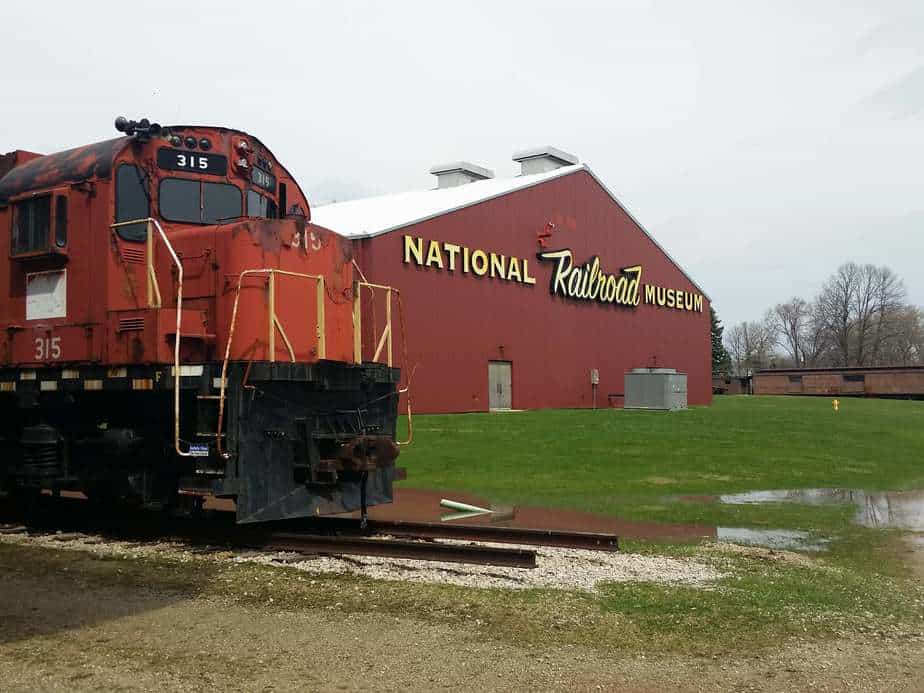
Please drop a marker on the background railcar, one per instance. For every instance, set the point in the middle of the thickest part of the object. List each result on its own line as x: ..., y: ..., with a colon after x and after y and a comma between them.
x: 874, y: 381
x: 172, y: 324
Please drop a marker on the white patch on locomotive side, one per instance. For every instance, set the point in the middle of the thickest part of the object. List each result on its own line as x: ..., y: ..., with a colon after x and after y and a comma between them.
x: 46, y: 295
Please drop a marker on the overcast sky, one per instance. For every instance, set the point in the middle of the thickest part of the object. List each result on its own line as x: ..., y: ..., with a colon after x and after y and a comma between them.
x: 762, y: 143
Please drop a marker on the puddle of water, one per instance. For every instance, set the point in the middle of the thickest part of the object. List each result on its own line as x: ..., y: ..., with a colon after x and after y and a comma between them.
x: 899, y: 509
x: 904, y: 510
x: 887, y: 509
x: 772, y: 538
x: 420, y: 505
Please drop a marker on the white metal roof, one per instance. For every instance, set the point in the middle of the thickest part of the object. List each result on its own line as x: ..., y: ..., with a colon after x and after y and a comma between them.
x: 374, y: 216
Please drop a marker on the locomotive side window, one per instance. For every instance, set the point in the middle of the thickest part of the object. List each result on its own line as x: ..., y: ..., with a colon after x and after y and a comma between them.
x: 60, y: 221
x: 31, y: 223
x: 260, y: 206
x: 195, y: 202
x: 131, y: 202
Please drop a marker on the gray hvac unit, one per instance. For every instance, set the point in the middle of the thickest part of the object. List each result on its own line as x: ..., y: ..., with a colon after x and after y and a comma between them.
x: 655, y: 388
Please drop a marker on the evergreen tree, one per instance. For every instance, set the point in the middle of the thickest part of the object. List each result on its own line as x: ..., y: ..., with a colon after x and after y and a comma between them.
x: 721, y: 362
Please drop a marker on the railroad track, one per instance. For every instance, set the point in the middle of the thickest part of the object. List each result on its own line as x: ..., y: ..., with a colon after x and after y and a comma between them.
x: 327, y: 536
x: 593, y: 541
x: 392, y: 548
x: 304, y: 543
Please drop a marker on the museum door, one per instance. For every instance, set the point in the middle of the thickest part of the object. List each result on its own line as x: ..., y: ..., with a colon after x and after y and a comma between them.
x: 499, y: 396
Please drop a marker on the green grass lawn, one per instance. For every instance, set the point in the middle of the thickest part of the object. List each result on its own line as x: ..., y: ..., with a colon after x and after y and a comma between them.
x: 635, y: 465
x: 630, y: 463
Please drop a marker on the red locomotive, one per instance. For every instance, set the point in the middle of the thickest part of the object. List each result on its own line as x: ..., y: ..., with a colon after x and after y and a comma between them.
x: 173, y: 324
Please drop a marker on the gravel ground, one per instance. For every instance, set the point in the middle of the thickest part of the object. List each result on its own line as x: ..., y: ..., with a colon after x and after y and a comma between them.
x: 78, y: 627
x: 557, y: 568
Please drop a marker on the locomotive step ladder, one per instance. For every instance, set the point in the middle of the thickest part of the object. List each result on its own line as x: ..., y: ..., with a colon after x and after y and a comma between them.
x: 207, y: 431
x: 207, y: 415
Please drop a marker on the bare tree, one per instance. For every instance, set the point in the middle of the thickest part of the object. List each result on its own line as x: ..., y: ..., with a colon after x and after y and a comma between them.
x: 750, y: 344
x: 765, y: 338
x: 916, y: 337
x: 859, y: 318
x: 835, y: 305
x: 815, y: 340
x: 735, y: 343
x: 863, y: 312
x: 893, y: 318
x: 791, y: 322
x: 905, y: 346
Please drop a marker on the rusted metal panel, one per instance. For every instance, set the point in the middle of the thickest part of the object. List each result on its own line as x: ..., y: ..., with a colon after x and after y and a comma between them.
x: 73, y: 165
x: 108, y: 275
x: 289, y: 245
x: 365, y: 453
x: 15, y: 158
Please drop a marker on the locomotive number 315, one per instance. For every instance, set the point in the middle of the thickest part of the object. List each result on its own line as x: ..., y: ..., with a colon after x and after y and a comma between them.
x: 47, y: 348
x: 192, y: 161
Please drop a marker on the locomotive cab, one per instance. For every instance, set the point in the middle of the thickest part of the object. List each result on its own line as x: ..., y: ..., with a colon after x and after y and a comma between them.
x: 174, y: 324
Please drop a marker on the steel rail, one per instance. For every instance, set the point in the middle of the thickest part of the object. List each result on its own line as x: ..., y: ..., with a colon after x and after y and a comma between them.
x: 390, y: 548
x: 138, y: 527
x: 503, y: 535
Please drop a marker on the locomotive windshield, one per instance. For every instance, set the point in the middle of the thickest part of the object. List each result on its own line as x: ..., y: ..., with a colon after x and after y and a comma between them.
x: 199, y: 202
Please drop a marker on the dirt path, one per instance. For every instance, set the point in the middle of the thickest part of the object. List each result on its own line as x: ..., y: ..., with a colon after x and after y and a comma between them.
x: 63, y: 632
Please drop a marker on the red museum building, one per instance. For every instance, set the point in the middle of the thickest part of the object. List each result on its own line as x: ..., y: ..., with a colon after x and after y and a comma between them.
x: 537, y: 291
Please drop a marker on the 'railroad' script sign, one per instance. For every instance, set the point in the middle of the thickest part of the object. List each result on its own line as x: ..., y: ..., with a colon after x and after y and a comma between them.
x: 590, y: 283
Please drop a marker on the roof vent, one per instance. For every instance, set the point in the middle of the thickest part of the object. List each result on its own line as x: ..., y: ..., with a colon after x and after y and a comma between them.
x: 542, y: 159
x: 459, y: 173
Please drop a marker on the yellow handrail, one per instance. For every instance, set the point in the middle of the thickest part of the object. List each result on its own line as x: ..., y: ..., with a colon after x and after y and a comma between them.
x: 273, y: 325
x: 154, y: 292
x: 385, y: 341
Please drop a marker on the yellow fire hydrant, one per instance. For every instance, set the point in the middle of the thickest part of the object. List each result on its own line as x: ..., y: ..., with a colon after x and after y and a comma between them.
x: 836, y: 403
